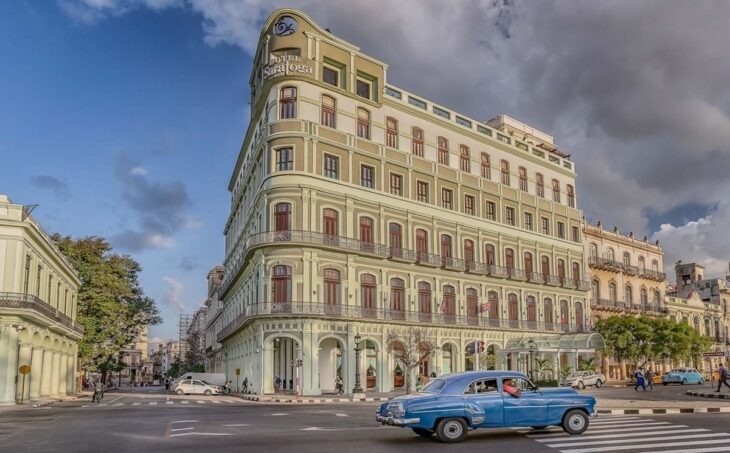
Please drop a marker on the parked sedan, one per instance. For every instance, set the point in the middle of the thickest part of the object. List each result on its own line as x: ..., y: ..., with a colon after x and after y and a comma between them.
x: 451, y: 405
x: 196, y: 387
x: 683, y: 376
x: 583, y: 379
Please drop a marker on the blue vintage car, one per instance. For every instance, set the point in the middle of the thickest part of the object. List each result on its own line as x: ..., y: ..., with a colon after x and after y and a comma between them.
x: 683, y: 376
x: 451, y: 405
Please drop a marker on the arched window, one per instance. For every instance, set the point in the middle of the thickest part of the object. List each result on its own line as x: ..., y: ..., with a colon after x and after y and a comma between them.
x: 610, y: 254
x: 564, y: 315
x: 282, y: 217
x: 472, y: 307
x: 657, y: 297
x: 329, y: 107
x: 596, y: 290
x: 548, y: 307
x: 696, y: 324
x: 421, y: 243
x: 576, y: 273
x: 493, y: 302
x: 391, y: 132
x: 331, y: 287
x: 417, y: 141
x: 528, y: 264
x: 505, y: 172
x: 486, y: 167
x: 464, y: 158
x: 556, y: 191
x: 579, y: 316
x: 655, y: 266
x: 643, y: 298
x: 489, y: 255
x: 363, y: 123
x: 366, y: 234
x: 593, y: 250
x: 571, y: 196
x: 330, y: 227
x: 443, y: 146
x: 397, y: 298
x: 395, y: 237
x: 540, y: 185
x: 612, y: 295
x: 642, y: 264
x: 424, y: 301
x: 446, y: 246
x: 561, y: 271
x: 513, y: 310
x: 449, y: 305
x: 531, y: 312
x: 523, y: 178
x: 545, y: 267
x: 627, y: 259
x: 281, y: 285
x: 368, y: 295
x: 509, y: 258
x: 469, y: 251
x: 288, y: 103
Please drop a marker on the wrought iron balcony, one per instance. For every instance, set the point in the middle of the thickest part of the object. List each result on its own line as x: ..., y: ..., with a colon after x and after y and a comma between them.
x: 453, y: 263
x: 348, y: 312
x: 20, y: 301
x: 516, y: 274
x: 652, y: 275
x: 605, y: 264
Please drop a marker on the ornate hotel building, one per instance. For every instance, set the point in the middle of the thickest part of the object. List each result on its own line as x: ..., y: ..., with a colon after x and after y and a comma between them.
x: 358, y: 208
x: 38, y: 299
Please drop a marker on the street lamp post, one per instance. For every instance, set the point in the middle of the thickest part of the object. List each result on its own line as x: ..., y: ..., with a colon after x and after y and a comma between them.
x: 532, y: 347
x: 358, y: 389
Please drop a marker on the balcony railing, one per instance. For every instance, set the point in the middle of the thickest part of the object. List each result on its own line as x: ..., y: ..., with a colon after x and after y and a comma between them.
x: 382, y: 314
x: 21, y: 301
x: 619, y: 305
x: 605, y: 264
x: 235, y: 261
x: 653, y: 275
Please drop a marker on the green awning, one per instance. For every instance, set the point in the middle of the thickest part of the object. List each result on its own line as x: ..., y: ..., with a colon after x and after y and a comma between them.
x: 557, y: 342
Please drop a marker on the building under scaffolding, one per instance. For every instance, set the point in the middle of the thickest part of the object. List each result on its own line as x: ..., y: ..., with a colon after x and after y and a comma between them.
x: 183, y: 328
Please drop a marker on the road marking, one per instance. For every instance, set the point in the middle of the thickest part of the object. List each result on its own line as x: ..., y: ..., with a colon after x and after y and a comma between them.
x: 185, y: 421
x: 277, y: 414
x: 590, y: 441
x: 116, y: 399
x: 215, y: 402
x: 317, y: 428
x: 200, y: 434
x: 239, y: 424
x: 607, y: 430
x: 169, y: 402
x: 652, y: 447
x: 118, y: 404
x: 85, y: 405
x: 613, y: 420
x: 696, y: 450
x: 200, y: 402
x: 342, y: 415
x: 229, y: 401
x: 152, y: 403
x: 587, y: 434
x: 101, y: 405
x: 136, y: 404
x: 185, y: 402
x: 180, y: 429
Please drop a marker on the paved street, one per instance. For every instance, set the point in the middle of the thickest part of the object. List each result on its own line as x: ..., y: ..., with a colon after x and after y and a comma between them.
x: 150, y: 420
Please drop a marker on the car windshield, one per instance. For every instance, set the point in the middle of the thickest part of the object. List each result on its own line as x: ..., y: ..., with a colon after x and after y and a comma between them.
x: 574, y: 375
x: 434, y: 386
x: 678, y: 370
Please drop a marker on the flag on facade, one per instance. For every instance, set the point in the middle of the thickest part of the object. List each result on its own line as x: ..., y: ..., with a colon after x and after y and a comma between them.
x: 483, y: 308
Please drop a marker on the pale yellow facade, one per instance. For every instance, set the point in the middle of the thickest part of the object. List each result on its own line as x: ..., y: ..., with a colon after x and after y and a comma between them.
x: 38, y: 303
x: 360, y: 208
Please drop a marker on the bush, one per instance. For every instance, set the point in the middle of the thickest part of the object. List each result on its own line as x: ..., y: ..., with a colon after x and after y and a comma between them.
x: 547, y: 383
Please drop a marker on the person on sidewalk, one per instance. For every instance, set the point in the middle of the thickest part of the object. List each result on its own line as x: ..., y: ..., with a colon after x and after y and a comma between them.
x: 339, y: 388
x: 649, y: 375
x: 722, y: 379
x: 639, y: 375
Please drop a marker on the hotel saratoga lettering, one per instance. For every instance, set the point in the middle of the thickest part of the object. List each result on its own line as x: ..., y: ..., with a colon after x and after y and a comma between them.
x: 286, y: 65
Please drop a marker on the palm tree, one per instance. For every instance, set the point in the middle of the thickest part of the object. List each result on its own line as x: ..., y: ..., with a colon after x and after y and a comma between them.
x: 587, y: 365
x: 542, y: 365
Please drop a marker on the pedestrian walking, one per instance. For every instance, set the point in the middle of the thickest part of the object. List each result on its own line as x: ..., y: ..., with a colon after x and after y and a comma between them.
x: 167, y: 383
x: 639, y: 375
x: 245, y: 385
x: 277, y: 383
x: 722, y: 377
x: 339, y: 388
x: 649, y: 375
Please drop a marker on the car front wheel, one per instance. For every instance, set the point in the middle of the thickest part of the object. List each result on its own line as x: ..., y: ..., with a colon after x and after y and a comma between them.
x: 599, y: 384
x: 451, y: 430
x: 179, y: 392
x: 581, y: 385
x: 684, y: 381
x: 575, y: 422
x: 701, y: 381
x: 422, y: 432
x: 207, y: 393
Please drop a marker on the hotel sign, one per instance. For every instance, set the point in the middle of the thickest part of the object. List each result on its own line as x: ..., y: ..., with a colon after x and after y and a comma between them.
x: 286, y: 65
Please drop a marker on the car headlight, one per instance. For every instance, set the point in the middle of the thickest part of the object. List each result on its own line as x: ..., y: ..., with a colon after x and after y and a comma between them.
x: 396, y: 410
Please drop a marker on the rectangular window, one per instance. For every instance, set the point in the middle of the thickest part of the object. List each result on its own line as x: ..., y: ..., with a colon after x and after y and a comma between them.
x: 463, y: 121
x: 447, y: 199
x: 491, y: 210
x: 364, y: 88
x: 288, y: 103
x: 544, y: 225
x: 540, y: 185
x: 391, y: 132
x: 417, y: 141
x: 38, y: 281
x: 469, y: 204
x: 26, y: 280
x: 331, y: 75
x: 443, y: 151
x: 367, y: 176
x: 464, y: 159
x: 523, y: 179
x: 363, y: 123
x: 556, y: 191
x: 422, y: 191
x: 441, y: 112
x: 417, y: 102
x: 571, y: 196
x: 328, y: 111
x: 284, y: 159
x: 486, y: 169
x: 528, y: 221
x: 396, y: 184
x: 576, y: 234
x: 393, y: 93
x: 509, y: 214
x: 561, y: 230
x: 505, y: 173
x: 331, y: 166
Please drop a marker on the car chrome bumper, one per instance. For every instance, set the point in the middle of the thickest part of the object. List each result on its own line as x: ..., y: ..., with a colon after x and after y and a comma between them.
x: 392, y: 421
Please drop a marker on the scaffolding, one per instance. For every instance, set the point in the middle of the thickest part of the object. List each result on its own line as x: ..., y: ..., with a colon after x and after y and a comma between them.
x: 184, y: 323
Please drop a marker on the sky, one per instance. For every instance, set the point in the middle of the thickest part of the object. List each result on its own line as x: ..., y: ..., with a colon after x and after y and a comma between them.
x: 123, y: 118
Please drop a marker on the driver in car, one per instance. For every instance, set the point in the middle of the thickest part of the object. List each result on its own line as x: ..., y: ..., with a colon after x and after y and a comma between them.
x: 509, y: 388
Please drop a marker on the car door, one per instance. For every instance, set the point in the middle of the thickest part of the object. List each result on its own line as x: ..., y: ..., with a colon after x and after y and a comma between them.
x: 199, y: 387
x: 483, y: 396
x: 530, y: 409
x: 589, y: 378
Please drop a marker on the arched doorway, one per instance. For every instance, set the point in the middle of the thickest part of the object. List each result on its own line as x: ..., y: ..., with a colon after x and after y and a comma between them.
x: 283, y: 353
x: 371, y: 365
x: 491, y: 362
x: 398, y: 367
x: 447, y: 359
x: 330, y: 364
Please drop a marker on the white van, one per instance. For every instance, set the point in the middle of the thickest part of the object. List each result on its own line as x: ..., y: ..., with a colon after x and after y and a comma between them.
x: 210, y: 378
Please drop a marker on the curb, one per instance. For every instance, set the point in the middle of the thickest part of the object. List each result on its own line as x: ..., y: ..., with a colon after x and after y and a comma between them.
x: 264, y: 399
x: 682, y: 410
x: 716, y: 395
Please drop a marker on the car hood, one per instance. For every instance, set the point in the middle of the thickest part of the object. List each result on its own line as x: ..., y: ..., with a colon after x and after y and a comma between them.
x: 561, y: 391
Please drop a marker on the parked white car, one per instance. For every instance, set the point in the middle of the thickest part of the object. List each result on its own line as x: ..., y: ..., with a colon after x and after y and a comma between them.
x: 583, y: 379
x: 197, y: 387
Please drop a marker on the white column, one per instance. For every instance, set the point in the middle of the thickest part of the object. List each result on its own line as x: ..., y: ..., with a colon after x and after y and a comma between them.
x: 71, y: 375
x: 24, y: 358
x: 55, y: 368
x: 36, y: 373
x: 8, y: 363
x: 46, y: 373
x: 63, y: 375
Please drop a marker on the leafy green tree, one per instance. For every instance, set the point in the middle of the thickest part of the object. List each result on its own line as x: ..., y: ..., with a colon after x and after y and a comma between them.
x: 627, y: 337
x: 112, y: 306
x: 587, y: 364
x: 541, y: 366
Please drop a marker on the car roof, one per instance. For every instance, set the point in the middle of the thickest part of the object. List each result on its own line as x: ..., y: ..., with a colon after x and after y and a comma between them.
x: 456, y: 382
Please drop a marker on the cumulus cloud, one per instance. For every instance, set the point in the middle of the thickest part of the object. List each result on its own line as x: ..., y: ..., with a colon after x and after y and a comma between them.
x: 189, y: 263
x: 57, y: 186
x: 173, y: 294
x: 635, y: 91
x: 159, y: 208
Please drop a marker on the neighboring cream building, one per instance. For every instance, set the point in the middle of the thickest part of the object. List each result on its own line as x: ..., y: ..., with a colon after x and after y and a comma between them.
x: 136, y: 359
x: 214, y: 323
x: 360, y: 208
x: 38, y: 302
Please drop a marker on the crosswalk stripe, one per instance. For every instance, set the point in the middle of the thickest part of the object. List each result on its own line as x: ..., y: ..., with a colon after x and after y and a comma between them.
x: 619, y: 423
x: 85, y: 405
x: 136, y: 404
x: 668, y: 430
x: 185, y: 402
x: 153, y: 403
x: 118, y: 404
x: 169, y: 402
x: 653, y: 446
x: 101, y: 405
x: 215, y: 402
x: 587, y: 441
x: 200, y: 402
x: 612, y: 419
x: 696, y: 450
x: 654, y: 425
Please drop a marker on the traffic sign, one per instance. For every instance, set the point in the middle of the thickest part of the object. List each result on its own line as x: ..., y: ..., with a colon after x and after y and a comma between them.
x: 238, y: 371
x: 24, y: 369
